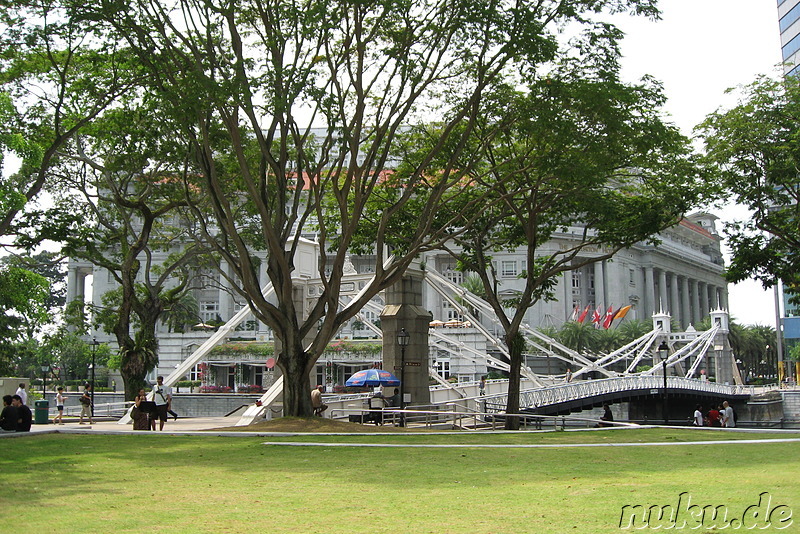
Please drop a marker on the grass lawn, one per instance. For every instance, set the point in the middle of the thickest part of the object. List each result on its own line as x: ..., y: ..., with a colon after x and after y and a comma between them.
x: 148, y: 483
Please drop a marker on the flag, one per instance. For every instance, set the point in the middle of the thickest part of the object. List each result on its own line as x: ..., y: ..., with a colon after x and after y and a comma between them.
x: 609, y: 317
x: 584, y: 313
x: 575, y: 313
x: 596, y: 318
x: 623, y: 312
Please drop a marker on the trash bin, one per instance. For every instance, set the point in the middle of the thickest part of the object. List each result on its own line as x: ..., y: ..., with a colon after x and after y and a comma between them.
x: 41, y: 412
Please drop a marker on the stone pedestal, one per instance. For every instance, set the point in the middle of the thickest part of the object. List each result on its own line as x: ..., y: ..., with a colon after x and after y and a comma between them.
x: 404, y: 310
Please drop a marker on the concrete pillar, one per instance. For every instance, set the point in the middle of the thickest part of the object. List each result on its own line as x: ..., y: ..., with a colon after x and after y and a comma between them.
x: 599, y: 284
x: 686, y: 316
x: 696, y: 311
x: 649, y: 293
x: 674, y: 302
x: 723, y: 297
x: 663, y: 303
x: 72, y: 284
x: 703, y: 295
x: 403, y: 310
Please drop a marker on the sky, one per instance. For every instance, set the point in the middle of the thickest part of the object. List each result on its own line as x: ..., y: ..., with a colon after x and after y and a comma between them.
x: 697, y: 50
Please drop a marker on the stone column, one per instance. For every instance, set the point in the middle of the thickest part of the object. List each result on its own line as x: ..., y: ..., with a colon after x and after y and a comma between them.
x: 696, y: 311
x: 703, y: 287
x: 72, y: 284
x: 599, y: 285
x: 649, y: 293
x: 663, y: 303
x: 686, y: 316
x: 404, y: 310
x: 674, y: 303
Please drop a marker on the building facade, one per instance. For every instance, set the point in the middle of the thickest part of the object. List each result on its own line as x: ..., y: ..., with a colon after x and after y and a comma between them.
x: 681, y: 275
x: 789, y: 24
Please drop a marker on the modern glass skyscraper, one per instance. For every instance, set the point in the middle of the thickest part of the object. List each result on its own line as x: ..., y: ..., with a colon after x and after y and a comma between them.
x: 789, y: 21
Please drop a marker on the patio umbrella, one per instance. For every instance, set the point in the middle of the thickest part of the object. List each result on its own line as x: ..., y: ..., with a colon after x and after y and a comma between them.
x: 372, y: 378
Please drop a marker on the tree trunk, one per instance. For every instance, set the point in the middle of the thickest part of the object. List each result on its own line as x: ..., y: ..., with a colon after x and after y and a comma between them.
x: 296, y: 384
x: 516, y: 344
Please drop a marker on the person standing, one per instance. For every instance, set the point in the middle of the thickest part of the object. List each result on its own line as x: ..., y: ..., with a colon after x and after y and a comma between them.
x: 60, y: 398
x: 482, y: 386
x: 568, y: 375
x: 727, y: 415
x: 698, y: 416
x: 162, y: 395
x: 713, y: 417
x: 86, y: 405
x: 22, y: 393
x: 139, y: 415
x: 8, y: 417
x: 24, y: 415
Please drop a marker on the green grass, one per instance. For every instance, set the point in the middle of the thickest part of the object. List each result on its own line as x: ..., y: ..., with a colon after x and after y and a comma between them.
x: 156, y: 483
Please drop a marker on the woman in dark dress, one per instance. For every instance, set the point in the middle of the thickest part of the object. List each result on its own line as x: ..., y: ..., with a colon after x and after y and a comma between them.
x: 139, y: 416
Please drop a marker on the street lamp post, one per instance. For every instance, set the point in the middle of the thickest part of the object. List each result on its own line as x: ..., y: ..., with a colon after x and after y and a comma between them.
x: 45, y: 369
x: 663, y: 350
x: 402, y: 340
x: 94, y: 351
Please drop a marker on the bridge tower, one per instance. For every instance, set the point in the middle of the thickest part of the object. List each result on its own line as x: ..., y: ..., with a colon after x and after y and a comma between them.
x: 725, y: 368
x: 404, y: 310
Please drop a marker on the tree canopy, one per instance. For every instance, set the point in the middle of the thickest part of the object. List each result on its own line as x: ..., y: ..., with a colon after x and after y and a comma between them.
x: 242, y: 85
x: 756, y: 146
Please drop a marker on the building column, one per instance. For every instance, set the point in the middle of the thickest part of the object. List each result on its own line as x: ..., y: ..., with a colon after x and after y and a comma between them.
x: 703, y: 287
x: 599, y: 285
x: 696, y: 315
x: 649, y: 293
x: 674, y: 305
x: 663, y: 303
x: 686, y: 316
x: 72, y: 284
x: 723, y: 297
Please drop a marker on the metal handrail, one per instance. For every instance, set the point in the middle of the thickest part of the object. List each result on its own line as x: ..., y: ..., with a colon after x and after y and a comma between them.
x: 591, y: 388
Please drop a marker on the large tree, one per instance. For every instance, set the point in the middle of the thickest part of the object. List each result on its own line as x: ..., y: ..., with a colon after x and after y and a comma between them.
x: 245, y: 82
x: 582, y: 156
x: 123, y: 188
x: 757, y: 148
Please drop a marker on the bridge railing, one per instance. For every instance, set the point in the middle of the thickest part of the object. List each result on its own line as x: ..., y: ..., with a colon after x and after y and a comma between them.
x: 547, y: 396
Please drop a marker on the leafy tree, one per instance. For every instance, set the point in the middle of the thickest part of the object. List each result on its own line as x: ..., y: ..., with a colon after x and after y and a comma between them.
x: 580, y: 153
x: 23, y: 309
x: 56, y: 77
x: 244, y: 81
x: 756, y: 146
x: 119, y: 174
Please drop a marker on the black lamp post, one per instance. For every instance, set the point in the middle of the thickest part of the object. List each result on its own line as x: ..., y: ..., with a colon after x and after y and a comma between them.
x: 94, y: 351
x: 663, y: 350
x: 45, y: 369
x: 402, y: 340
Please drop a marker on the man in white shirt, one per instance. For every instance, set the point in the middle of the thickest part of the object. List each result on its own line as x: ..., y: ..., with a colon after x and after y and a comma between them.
x: 727, y: 416
x: 22, y: 393
x: 162, y: 396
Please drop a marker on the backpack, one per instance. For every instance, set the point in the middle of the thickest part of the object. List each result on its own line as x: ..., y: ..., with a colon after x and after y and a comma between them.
x: 86, y: 401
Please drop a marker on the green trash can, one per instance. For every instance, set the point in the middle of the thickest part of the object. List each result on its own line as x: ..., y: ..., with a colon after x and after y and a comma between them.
x: 41, y: 412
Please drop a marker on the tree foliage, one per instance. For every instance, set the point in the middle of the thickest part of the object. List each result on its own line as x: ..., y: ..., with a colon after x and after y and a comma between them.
x: 242, y: 83
x: 756, y: 145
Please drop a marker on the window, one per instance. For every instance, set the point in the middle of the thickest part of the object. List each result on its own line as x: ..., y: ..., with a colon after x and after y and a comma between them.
x: 631, y: 277
x: 508, y: 268
x: 209, y: 311
x: 443, y: 368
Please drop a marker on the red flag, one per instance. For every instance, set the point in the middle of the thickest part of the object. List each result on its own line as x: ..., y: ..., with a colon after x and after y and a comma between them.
x: 584, y: 313
x: 609, y: 317
x: 575, y: 313
x: 596, y: 318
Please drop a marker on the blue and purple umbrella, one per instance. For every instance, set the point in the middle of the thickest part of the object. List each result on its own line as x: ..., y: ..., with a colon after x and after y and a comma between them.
x: 372, y: 378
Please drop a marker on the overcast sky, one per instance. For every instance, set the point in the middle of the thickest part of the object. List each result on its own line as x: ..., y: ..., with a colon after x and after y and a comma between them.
x: 698, y: 50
